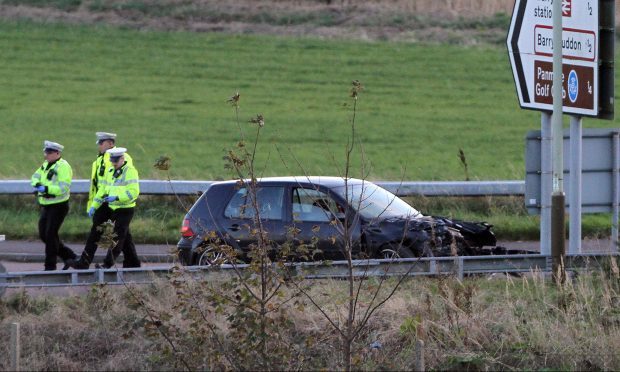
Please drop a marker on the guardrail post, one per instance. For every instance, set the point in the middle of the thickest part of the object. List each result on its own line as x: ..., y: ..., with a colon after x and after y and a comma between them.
x: 419, y: 356
x: 119, y: 277
x: 616, y: 192
x: 548, y: 263
x: 432, y: 267
x: 460, y: 263
x: 15, y: 347
x: 2, y: 280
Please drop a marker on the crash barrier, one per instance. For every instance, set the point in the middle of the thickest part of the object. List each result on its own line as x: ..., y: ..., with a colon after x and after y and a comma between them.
x: 40, y: 257
x: 429, y: 266
x: 410, y: 188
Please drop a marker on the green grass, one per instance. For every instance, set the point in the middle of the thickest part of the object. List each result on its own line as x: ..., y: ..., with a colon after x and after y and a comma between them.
x: 165, y: 93
x: 158, y: 219
x: 67, y: 5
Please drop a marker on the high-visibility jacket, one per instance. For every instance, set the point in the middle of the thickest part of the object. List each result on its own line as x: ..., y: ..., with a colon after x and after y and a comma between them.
x: 97, y: 174
x: 122, y: 183
x: 56, y: 176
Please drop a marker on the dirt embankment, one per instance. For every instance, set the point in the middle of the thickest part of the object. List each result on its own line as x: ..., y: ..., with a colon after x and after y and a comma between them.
x: 454, y: 21
x: 446, y: 21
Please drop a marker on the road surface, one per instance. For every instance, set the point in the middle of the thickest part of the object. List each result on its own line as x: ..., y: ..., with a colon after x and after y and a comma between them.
x: 20, y: 256
x: 17, y: 255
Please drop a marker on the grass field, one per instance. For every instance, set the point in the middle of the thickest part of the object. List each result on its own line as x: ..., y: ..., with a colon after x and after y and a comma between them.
x: 166, y: 92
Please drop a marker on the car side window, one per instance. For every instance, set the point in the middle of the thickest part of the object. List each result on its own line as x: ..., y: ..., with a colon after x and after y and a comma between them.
x: 269, y: 201
x: 313, y: 205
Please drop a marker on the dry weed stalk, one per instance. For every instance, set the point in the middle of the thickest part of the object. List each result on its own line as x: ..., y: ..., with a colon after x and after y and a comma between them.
x: 513, y: 324
x: 359, y: 312
x: 253, y: 336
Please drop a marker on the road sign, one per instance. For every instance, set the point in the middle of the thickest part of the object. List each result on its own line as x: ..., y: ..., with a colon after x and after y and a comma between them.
x: 530, y: 47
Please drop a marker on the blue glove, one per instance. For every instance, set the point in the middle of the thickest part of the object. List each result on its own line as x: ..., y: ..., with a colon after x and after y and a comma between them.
x: 41, y: 188
x: 110, y: 199
x: 91, y: 211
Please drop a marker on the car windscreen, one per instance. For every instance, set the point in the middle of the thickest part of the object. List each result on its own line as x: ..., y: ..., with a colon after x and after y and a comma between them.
x: 372, y: 202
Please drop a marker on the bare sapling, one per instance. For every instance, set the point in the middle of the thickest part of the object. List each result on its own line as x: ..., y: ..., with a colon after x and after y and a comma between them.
x: 243, y: 315
x: 364, y: 297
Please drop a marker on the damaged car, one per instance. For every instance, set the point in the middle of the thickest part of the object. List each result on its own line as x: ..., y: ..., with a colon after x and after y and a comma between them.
x: 315, y: 218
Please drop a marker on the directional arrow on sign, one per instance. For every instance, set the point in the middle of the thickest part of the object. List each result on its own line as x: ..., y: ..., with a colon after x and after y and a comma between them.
x: 530, y: 48
x: 513, y: 51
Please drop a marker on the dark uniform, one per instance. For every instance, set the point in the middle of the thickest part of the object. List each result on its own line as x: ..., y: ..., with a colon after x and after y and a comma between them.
x: 51, y: 183
x: 120, y: 192
x: 100, y: 171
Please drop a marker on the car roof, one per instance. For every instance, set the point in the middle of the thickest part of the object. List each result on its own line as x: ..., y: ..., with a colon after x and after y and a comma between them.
x: 327, y: 181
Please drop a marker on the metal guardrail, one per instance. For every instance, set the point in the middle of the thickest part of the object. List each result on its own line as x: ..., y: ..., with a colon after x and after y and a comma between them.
x: 409, y: 188
x: 40, y: 257
x: 458, y: 266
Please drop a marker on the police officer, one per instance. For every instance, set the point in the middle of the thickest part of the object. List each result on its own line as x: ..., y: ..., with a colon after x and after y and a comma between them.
x: 120, y: 192
x: 51, y: 183
x: 99, y: 171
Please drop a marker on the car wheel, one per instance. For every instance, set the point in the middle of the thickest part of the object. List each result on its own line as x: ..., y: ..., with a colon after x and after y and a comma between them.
x: 390, y: 252
x: 211, y: 256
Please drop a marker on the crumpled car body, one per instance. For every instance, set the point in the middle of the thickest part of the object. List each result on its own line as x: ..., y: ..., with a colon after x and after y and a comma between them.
x: 432, y: 236
x: 310, y: 217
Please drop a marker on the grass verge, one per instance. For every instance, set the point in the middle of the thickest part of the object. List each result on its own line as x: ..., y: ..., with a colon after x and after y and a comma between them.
x: 158, y: 218
x: 482, y: 323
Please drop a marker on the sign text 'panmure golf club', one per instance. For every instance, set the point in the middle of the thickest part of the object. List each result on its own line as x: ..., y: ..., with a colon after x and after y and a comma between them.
x: 530, y: 46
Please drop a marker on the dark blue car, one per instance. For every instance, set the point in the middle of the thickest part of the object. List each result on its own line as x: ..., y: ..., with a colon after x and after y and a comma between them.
x: 310, y: 217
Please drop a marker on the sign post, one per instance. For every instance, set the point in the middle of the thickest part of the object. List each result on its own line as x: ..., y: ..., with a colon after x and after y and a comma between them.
x: 558, y: 229
x: 585, y: 82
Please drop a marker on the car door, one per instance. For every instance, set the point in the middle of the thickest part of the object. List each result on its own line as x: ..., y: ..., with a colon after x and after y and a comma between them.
x: 318, y: 221
x: 239, y: 221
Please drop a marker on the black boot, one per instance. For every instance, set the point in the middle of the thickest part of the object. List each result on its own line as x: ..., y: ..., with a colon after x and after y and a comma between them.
x: 69, y: 263
x: 76, y: 264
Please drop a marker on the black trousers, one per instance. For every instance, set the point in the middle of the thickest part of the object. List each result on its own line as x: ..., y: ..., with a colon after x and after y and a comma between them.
x: 102, y: 214
x: 51, y: 218
x: 122, y: 218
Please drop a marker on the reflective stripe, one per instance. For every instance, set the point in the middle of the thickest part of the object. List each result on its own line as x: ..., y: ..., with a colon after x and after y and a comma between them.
x: 56, y: 199
x: 123, y: 187
x: 37, y: 176
x: 121, y: 183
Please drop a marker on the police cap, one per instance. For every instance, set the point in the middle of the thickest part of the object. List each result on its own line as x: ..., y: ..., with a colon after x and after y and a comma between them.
x: 102, y: 136
x: 116, y: 153
x: 49, y: 146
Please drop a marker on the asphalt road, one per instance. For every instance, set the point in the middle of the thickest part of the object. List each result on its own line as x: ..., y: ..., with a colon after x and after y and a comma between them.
x: 28, y: 255
x: 17, y: 255
x: 20, y: 256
